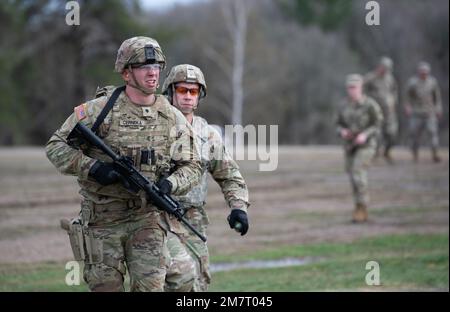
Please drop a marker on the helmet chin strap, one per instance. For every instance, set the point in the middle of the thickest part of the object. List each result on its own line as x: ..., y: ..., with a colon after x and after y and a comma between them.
x: 136, y: 85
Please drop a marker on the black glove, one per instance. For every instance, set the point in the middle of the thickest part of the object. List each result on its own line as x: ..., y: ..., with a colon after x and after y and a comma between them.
x: 104, y: 173
x: 165, y: 186
x: 240, y: 216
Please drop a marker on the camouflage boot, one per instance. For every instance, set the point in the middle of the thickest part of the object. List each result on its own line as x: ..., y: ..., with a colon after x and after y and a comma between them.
x: 436, y: 157
x: 360, y: 213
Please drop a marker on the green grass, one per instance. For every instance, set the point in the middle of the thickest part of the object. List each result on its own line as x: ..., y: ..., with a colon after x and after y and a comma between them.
x: 407, y: 262
x: 418, y: 212
x: 49, y: 276
x: 427, y: 272
x: 365, y: 248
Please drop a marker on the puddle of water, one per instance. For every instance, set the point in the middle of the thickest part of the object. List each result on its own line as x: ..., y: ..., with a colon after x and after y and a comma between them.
x: 260, y: 264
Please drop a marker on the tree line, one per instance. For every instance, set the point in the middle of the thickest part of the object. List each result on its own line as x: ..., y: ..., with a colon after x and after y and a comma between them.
x: 266, y: 62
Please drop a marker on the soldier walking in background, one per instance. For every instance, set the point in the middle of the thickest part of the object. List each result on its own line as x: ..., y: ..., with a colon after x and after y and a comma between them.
x: 424, y: 109
x: 380, y: 85
x: 358, y: 124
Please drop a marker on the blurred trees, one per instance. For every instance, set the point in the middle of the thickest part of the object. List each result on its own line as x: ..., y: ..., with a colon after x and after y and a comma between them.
x: 328, y: 14
x: 410, y: 31
x: 291, y: 65
x: 49, y: 67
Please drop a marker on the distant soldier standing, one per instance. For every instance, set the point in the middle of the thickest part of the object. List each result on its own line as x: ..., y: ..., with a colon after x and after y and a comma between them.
x: 185, y: 86
x: 380, y: 85
x: 424, y: 109
x: 119, y: 231
x: 358, y: 123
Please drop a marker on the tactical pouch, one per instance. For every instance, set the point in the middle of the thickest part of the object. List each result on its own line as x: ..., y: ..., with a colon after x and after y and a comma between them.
x: 85, y: 246
x: 134, y: 153
x: 94, y: 247
x: 75, y: 231
x: 140, y: 156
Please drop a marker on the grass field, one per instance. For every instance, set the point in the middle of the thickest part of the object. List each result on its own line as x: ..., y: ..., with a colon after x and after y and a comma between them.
x: 301, y: 211
x: 407, y: 262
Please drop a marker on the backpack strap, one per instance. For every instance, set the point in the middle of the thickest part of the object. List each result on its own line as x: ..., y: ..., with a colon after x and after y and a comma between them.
x: 108, y: 106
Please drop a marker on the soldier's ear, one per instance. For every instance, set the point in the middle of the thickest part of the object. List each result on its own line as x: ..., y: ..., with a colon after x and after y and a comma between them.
x: 126, y: 74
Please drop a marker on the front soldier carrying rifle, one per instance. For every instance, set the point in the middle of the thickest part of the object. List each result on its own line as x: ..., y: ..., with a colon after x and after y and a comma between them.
x: 351, y: 142
x: 130, y: 177
x: 122, y: 230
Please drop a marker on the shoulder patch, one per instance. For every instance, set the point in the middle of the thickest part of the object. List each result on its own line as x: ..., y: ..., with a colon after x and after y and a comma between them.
x: 80, y: 111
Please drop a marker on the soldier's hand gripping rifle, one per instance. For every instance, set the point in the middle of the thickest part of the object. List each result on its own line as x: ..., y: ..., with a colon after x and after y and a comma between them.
x: 133, y: 179
x: 351, y: 145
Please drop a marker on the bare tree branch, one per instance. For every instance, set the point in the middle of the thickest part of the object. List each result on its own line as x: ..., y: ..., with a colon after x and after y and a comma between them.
x: 217, y: 58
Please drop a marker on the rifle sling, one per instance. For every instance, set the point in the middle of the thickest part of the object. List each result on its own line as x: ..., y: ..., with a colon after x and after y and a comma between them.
x: 108, y: 106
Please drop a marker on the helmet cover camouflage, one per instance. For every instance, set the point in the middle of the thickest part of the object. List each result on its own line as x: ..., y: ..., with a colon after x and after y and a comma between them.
x: 387, y: 62
x: 424, y: 67
x: 185, y: 73
x: 139, y: 50
x: 353, y: 79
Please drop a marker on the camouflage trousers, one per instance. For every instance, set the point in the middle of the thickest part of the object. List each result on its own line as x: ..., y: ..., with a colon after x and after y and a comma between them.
x: 357, y: 163
x: 388, y: 134
x: 139, y: 245
x: 417, y: 124
x: 189, y: 273
x: 390, y: 131
x: 182, y: 270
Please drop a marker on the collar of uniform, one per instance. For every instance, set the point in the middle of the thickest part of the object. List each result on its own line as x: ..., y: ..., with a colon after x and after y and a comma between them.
x: 159, y: 104
x: 361, y: 101
x: 149, y: 111
x: 426, y: 80
x: 162, y: 106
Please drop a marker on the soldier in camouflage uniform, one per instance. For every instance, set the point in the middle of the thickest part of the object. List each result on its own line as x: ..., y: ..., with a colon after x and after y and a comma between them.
x: 120, y: 230
x: 185, y: 86
x: 424, y: 109
x: 380, y: 85
x: 358, y: 123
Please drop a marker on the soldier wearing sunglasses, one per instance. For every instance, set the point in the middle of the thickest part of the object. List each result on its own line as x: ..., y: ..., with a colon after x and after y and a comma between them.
x: 189, y: 269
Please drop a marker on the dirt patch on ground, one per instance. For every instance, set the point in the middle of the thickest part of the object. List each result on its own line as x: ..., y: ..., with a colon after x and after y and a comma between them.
x: 306, y: 200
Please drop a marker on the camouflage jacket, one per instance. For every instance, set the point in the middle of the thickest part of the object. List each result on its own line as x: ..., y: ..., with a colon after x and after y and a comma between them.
x: 221, y: 166
x: 159, y: 129
x: 363, y: 117
x: 424, y: 96
x: 383, y: 90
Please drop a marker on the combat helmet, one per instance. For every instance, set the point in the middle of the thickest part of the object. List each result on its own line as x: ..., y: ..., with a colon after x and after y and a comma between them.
x: 139, y: 50
x: 387, y: 63
x: 424, y: 66
x: 184, y: 73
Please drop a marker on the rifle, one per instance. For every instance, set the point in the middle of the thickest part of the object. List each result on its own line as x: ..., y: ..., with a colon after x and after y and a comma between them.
x: 133, y: 179
x: 352, y: 146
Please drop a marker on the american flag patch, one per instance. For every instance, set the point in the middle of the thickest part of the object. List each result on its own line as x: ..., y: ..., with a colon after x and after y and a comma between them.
x: 80, y: 111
